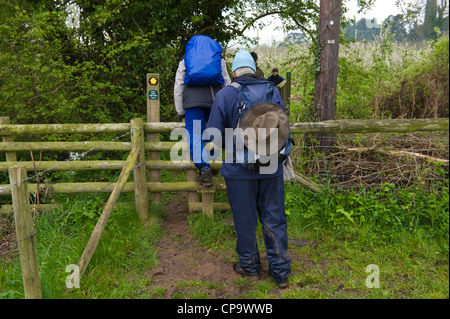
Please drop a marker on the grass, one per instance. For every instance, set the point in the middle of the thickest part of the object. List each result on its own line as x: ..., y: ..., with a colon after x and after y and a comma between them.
x: 327, y: 261
x: 125, y: 251
x: 412, y: 261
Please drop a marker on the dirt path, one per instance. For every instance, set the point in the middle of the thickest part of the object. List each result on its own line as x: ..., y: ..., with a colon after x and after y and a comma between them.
x: 188, y: 270
x: 185, y: 267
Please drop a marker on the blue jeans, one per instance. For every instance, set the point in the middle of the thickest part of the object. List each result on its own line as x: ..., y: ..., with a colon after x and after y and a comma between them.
x: 196, y: 143
x: 263, y: 198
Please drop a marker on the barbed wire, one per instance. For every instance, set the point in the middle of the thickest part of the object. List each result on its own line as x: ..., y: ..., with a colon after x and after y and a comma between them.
x: 69, y: 160
x: 81, y: 155
x: 72, y: 207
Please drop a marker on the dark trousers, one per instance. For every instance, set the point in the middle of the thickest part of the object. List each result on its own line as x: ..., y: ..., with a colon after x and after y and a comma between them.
x: 196, y: 143
x: 263, y: 198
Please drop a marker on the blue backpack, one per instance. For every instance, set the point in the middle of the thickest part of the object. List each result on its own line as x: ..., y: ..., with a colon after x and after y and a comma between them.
x: 249, y: 95
x: 203, y: 61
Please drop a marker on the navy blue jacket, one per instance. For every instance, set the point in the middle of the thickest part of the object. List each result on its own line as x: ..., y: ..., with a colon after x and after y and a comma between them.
x: 276, y: 79
x: 224, y: 114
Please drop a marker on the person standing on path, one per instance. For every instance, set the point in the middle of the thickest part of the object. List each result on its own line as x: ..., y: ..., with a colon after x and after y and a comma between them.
x: 251, y: 193
x: 275, y: 77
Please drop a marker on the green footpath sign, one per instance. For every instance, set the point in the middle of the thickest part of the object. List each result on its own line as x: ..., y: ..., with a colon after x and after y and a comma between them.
x: 153, y: 95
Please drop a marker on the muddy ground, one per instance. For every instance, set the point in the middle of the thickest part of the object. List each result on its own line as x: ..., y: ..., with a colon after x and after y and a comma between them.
x: 186, y: 268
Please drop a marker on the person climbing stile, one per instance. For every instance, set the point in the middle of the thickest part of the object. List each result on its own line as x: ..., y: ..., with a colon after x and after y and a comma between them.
x: 200, y: 75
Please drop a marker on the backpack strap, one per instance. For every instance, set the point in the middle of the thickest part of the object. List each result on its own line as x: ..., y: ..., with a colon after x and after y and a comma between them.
x: 213, y: 96
x: 242, y: 102
x: 235, y: 85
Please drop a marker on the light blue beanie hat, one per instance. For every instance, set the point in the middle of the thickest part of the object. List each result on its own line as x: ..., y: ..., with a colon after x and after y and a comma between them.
x: 243, y: 59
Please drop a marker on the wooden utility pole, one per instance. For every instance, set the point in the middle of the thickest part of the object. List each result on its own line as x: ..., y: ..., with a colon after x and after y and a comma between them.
x: 326, y: 81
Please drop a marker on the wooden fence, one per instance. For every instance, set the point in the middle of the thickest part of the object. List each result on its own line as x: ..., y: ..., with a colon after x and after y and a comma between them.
x: 153, y: 187
x: 9, y: 147
x: 23, y: 218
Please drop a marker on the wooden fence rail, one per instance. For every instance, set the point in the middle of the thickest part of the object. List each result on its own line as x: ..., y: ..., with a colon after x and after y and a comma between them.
x: 335, y: 126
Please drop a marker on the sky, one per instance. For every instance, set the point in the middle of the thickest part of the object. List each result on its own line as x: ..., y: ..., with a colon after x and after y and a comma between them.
x: 380, y: 10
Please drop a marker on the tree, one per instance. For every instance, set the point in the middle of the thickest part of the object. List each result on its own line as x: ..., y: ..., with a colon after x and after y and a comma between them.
x: 35, y: 72
x: 434, y: 14
x: 430, y: 19
x: 397, y: 26
x: 363, y: 30
x: 296, y: 37
x: 51, y: 71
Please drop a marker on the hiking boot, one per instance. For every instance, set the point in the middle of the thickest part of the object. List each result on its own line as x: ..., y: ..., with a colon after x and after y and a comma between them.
x: 205, y: 177
x: 239, y: 270
x: 283, y: 284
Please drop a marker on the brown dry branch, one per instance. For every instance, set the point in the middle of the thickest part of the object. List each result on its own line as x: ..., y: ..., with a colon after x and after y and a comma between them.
x: 369, y: 160
x: 396, y: 153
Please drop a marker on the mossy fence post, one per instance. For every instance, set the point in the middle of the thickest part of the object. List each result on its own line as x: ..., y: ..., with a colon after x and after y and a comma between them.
x: 140, y: 176
x: 10, y: 156
x: 25, y: 232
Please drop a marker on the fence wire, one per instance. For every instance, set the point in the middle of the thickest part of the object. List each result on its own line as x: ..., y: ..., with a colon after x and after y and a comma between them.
x: 10, y: 243
x: 8, y: 239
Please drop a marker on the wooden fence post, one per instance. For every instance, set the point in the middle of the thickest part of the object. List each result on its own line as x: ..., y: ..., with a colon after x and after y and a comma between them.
x: 207, y: 200
x: 153, y: 115
x: 140, y: 176
x: 207, y: 203
x: 287, y: 104
x: 24, y: 233
x: 10, y: 156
